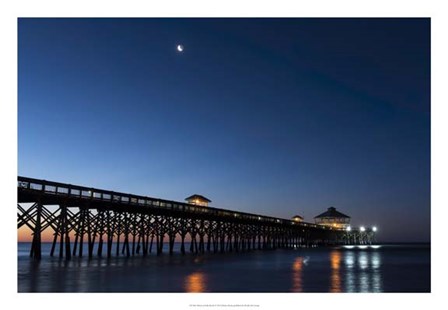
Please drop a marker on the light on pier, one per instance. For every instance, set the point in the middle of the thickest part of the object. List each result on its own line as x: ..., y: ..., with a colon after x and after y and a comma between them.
x: 297, y: 218
x: 198, y: 200
x: 333, y: 218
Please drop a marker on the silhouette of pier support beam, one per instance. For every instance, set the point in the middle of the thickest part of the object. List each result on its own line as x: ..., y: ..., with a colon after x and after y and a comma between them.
x: 36, y: 245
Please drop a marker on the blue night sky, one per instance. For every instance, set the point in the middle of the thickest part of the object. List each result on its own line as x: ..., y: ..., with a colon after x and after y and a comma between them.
x: 270, y: 116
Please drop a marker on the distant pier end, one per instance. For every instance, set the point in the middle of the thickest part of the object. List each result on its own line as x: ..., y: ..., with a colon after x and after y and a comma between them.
x: 337, y: 220
x: 333, y: 218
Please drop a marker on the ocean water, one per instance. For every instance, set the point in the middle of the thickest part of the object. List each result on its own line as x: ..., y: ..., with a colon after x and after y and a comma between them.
x: 382, y: 268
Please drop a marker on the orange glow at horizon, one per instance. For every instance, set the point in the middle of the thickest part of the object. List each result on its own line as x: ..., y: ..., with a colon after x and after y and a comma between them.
x: 24, y: 234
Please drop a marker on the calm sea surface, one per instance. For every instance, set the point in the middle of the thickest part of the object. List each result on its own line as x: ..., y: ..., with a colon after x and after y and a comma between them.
x: 384, y: 268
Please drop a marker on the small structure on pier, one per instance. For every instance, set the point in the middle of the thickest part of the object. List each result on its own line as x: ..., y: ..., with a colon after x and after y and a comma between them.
x: 297, y: 218
x: 198, y: 200
x: 333, y: 218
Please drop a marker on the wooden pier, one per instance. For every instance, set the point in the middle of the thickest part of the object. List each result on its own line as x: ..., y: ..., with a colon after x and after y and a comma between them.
x: 112, y: 224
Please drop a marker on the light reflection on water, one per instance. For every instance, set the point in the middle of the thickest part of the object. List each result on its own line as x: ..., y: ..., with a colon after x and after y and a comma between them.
x: 363, y: 260
x: 349, y: 261
x: 335, y: 261
x: 351, y: 271
x: 364, y: 273
x: 361, y: 271
x: 377, y: 283
x: 297, y: 267
x: 303, y: 270
x: 195, y: 283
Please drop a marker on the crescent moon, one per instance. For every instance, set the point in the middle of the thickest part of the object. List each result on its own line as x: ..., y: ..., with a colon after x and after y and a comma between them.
x: 180, y: 48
